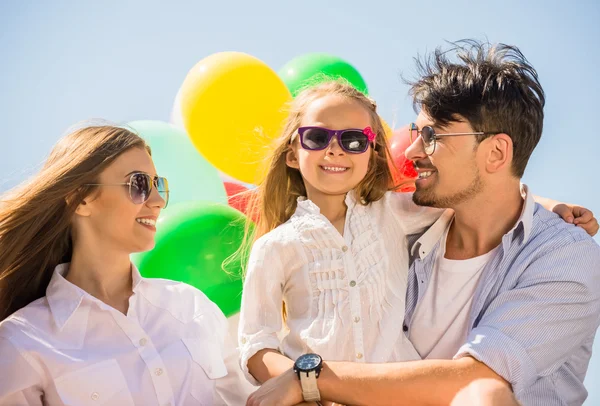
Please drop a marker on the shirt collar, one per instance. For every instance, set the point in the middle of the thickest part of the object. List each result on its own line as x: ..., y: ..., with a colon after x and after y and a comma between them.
x: 428, y: 241
x: 64, y: 298
x: 305, y: 205
x: 526, y: 218
x: 432, y: 236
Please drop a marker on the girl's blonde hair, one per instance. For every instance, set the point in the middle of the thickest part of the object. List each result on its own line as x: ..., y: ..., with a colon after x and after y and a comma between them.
x: 274, y: 201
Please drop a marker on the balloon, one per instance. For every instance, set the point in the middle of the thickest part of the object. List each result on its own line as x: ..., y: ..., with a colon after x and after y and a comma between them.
x: 310, y: 69
x: 388, y: 130
x: 403, y: 169
x: 190, y: 176
x: 238, y: 197
x: 176, y: 117
x: 192, y: 241
x: 234, y: 199
x: 233, y: 107
x: 228, y: 179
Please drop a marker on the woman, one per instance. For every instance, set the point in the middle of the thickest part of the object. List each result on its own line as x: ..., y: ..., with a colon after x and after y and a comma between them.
x: 78, y: 324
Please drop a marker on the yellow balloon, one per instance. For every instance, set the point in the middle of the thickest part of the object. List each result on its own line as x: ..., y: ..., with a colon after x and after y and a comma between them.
x: 233, y: 106
x: 388, y: 130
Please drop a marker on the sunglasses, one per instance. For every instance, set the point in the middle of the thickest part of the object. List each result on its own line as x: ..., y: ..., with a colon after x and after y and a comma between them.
x: 429, y: 136
x: 353, y: 141
x: 140, y: 187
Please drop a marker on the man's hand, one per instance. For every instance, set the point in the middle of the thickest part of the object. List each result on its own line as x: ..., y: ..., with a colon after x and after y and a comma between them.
x: 284, y: 390
x: 580, y: 216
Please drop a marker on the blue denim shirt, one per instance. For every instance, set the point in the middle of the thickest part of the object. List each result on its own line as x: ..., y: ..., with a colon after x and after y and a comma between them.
x: 536, y: 308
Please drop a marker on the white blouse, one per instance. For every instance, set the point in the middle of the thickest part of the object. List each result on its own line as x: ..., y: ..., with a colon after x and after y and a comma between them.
x: 69, y: 348
x: 344, y: 295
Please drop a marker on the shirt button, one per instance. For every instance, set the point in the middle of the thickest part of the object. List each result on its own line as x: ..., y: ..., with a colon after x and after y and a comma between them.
x: 95, y: 396
x: 352, y: 284
x: 356, y: 319
x: 359, y: 355
x: 244, y: 341
x: 405, y: 327
x: 345, y: 248
x: 143, y: 342
x: 158, y: 371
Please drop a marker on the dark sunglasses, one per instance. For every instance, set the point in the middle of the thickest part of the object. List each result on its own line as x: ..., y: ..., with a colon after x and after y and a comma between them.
x: 140, y: 187
x: 353, y: 141
x: 429, y: 136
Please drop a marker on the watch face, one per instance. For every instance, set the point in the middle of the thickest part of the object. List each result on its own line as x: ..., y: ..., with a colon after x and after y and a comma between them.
x: 308, y: 362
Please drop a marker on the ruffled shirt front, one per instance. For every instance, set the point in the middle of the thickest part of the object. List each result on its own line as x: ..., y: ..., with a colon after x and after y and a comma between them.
x: 344, y: 295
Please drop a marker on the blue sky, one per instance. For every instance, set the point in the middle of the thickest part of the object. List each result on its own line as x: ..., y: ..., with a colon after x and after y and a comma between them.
x: 65, y: 61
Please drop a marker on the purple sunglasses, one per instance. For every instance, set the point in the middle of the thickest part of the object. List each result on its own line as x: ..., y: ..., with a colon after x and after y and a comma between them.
x: 353, y: 141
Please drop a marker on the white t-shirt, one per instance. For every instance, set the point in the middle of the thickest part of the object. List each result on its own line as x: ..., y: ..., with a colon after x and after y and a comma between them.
x: 439, y: 326
x: 345, y: 295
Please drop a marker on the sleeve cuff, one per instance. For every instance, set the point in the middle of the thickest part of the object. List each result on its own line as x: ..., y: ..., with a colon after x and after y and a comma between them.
x: 502, y: 354
x: 247, y: 350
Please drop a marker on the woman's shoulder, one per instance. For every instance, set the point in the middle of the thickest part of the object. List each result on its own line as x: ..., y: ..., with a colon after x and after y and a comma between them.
x: 184, y: 301
x: 29, y: 322
x: 201, y: 316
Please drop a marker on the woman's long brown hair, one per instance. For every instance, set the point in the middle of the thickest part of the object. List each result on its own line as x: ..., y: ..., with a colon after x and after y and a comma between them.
x: 35, y: 217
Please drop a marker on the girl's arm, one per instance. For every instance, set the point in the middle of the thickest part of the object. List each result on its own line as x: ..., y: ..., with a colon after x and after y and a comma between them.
x: 261, y: 313
x: 571, y: 213
x: 267, y: 364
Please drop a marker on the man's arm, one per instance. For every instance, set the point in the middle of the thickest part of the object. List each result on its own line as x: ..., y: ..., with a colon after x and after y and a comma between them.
x: 418, y: 383
x: 485, y: 392
x: 526, y: 333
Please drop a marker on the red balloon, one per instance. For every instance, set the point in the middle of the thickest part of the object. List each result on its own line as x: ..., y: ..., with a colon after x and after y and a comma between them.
x: 403, y: 170
x: 234, y: 196
x: 238, y: 197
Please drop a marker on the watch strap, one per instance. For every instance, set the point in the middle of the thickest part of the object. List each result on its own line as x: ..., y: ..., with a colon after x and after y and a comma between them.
x: 310, y: 390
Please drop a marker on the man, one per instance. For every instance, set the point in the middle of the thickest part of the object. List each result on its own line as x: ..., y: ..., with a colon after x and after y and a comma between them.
x: 500, y: 290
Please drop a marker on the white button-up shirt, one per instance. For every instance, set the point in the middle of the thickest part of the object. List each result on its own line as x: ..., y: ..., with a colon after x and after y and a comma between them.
x: 344, y: 295
x: 171, y: 348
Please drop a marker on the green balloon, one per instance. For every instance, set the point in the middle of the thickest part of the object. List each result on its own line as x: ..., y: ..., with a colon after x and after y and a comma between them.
x: 190, y: 176
x: 192, y: 241
x: 311, y: 69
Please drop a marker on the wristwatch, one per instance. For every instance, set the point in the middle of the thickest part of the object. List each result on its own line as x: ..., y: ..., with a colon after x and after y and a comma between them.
x: 308, y: 368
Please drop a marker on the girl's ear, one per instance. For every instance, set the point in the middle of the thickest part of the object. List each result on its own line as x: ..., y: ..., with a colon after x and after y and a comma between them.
x: 291, y: 158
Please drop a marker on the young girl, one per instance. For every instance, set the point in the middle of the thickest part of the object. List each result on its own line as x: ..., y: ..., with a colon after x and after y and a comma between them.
x: 330, y: 243
x: 78, y: 323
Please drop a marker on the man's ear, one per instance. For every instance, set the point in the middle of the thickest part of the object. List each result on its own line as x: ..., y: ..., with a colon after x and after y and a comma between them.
x: 500, y: 152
